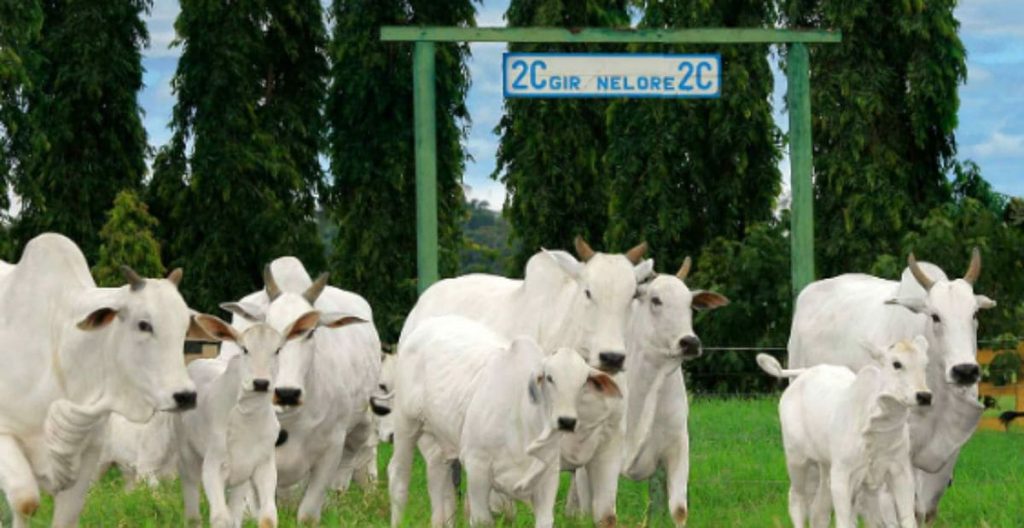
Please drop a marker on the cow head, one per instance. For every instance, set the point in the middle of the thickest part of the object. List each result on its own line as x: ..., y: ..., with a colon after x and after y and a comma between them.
x: 662, y: 315
x: 904, y: 366
x: 297, y: 354
x: 559, y: 383
x: 605, y: 287
x: 141, y: 330
x: 261, y: 346
x: 951, y: 308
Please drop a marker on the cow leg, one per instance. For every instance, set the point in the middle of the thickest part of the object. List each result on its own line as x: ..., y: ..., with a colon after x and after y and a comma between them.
x: 842, y: 498
x: 190, y: 469
x: 931, y: 487
x: 264, y: 479
x: 677, y: 466
x: 821, y: 505
x: 478, y: 476
x: 213, y: 486
x: 68, y: 503
x: 440, y: 489
x: 18, y: 481
x: 544, y: 498
x: 319, y: 480
x: 603, y: 471
x: 902, y: 487
x: 577, y: 503
x: 236, y: 502
x: 400, y: 467
x: 799, y: 485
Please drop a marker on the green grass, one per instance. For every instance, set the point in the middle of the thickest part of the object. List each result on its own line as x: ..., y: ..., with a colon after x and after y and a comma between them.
x: 738, y: 479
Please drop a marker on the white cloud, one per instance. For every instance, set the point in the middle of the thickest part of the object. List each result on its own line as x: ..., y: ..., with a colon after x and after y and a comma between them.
x: 999, y: 144
x: 492, y: 13
x: 161, y: 29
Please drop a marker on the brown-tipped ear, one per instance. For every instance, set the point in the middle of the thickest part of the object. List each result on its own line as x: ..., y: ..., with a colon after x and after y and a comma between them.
x: 583, y: 250
x: 338, y: 321
x: 636, y: 254
x: 604, y: 384
x: 175, y: 276
x: 708, y: 300
x: 303, y: 324
x: 97, y: 319
x: 215, y: 327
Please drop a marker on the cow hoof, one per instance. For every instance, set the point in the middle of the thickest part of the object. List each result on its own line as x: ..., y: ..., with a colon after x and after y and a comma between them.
x: 679, y: 515
x: 608, y: 522
x: 27, y: 504
x: 267, y: 522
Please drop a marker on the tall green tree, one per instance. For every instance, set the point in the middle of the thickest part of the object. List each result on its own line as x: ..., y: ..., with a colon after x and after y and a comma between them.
x: 82, y: 139
x: 370, y: 138
x: 236, y: 185
x: 127, y: 240
x: 20, y: 22
x: 884, y: 105
x: 550, y: 153
x: 686, y: 171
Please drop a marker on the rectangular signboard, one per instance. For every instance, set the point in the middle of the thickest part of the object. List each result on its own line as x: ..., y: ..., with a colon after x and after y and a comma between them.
x: 612, y: 75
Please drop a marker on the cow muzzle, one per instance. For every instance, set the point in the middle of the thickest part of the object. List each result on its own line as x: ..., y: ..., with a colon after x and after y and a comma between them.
x: 965, y: 373
x: 287, y: 396
x: 379, y: 406
x: 566, y: 423
x: 184, y: 400
x: 691, y: 347
x: 924, y: 398
x: 611, y: 362
x: 260, y: 385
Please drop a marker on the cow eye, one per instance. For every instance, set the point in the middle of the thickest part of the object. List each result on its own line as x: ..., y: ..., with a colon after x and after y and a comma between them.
x: 936, y: 319
x: 245, y: 350
x: 588, y: 294
x: 278, y: 351
x: 897, y: 365
x: 548, y: 378
x: 145, y: 327
x: 656, y: 301
x: 310, y: 334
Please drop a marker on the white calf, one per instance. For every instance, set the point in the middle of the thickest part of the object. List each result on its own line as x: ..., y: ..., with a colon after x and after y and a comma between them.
x: 846, y: 435
x: 524, y: 405
x: 229, y: 440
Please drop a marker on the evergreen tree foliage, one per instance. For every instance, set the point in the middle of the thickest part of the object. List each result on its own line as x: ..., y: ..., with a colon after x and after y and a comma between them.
x: 236, y: 185
x: 20, y: 22
x: 82, y: 139
x: 370, y: 123
x: 884, y: 105
x: 550, y: 153
x: 686, y: 171
x: 127, y: 239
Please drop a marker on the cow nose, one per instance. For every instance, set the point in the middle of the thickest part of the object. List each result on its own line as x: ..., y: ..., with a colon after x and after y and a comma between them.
x: 287, y: 396
x: 924, y: 398
x: 185, y: 400
x: 690, y: 346
x: 260, y: 385
x: 612, y: 360
x: 378, y: 408
x: 282, y: 437
x: 566, y: 424
x: 966, y: 373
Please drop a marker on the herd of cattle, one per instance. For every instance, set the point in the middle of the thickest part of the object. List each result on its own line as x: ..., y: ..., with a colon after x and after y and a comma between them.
x: 574, y: 368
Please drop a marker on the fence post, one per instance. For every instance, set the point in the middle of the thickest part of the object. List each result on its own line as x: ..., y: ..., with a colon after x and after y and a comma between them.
x: 424, y: 108
x: 800, y: 155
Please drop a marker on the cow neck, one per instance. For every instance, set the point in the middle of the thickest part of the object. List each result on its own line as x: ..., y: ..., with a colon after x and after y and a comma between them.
x: 644, y: 380
x: 939, y: 430
x: 252, y: 402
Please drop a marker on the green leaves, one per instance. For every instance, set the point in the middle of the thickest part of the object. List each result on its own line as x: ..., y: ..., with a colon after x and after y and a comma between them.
x: 127, y: 239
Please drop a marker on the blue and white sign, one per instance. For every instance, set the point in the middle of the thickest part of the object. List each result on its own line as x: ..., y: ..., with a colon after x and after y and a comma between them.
x: 612, y: 75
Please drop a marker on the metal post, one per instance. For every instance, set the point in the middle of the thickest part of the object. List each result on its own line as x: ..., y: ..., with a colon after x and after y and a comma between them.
x: 801, y: 210
x: 423, y: 82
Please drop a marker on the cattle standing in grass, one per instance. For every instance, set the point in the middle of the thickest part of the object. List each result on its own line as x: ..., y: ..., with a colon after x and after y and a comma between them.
x: 847, y: 435
x: 228, y: 442
x: 659, y: 338
x: 833, y: 316
x: 325, y: 381
x: 144, y: 453
x: 72, y: 354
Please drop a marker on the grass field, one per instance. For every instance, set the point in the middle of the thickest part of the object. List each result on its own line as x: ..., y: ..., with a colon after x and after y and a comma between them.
x: 738, y: 479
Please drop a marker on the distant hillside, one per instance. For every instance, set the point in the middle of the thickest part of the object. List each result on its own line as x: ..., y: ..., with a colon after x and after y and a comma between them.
x: 486, y: 235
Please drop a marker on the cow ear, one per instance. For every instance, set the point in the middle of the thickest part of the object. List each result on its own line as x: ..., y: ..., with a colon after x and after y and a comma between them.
x: 246, y: 310
x: 984, y: 303
x: 338, y: 320
x: 644, y: 271
x: 216, y: 328
x: 97, y: 319
x: 303, y: 324
x: 708, y: 300
x: 569, y: 265
x: 605, y: 385
x: 914, y: 304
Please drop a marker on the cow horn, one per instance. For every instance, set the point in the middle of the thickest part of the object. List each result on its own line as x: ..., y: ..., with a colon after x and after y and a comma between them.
x: 175, y: 276
x: 133, y: 278
x: 636, y: 254
x: 919, y: 274
x: 273, y: 291
x: 974, y: 269
x: 684, y: 270
x: 583, y: 250
x: 313, y: 292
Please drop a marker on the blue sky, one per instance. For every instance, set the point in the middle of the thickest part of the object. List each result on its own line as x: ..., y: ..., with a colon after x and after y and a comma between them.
x: 991, y: 118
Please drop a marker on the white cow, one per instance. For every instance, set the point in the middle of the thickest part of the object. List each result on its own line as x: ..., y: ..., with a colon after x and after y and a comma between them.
x: 325, y: 381
x: 847, y: 434
x: 446, y: 390
x: 145, y: 453
x: 562, y: 302
x: 72, y: 354
x: 228, y: 442
x: 833, y: 316
x: 659, y: 338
